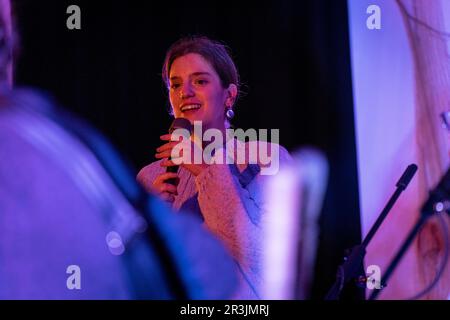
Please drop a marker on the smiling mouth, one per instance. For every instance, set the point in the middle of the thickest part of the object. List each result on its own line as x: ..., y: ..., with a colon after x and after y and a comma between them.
x: 190, y: 107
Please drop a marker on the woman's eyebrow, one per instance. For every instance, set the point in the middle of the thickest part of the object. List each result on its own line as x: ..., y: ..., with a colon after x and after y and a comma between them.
x: 194, y: 74
x: 201, y: 73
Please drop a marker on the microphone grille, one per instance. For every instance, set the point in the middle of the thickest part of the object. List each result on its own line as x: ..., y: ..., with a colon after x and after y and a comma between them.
x: 180, y: 123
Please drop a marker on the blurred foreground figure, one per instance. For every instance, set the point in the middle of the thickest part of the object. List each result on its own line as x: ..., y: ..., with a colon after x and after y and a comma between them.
x: 291, y: 226
x: 74, y: 224
x: 61, y: 211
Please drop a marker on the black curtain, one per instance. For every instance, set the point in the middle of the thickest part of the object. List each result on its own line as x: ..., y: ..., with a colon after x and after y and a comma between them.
x: 294, y: 61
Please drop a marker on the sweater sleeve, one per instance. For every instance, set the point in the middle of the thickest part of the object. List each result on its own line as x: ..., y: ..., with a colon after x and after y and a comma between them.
x: 148, y: 174
x: 233, y: 212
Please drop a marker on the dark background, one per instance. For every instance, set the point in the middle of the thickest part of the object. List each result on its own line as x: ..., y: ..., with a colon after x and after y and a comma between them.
x: 294, y: 61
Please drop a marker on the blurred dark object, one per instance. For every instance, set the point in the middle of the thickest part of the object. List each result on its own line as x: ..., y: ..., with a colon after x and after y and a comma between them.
x: 67, y: 198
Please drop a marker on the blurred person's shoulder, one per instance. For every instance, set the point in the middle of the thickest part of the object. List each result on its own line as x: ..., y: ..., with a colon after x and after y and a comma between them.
x: 26, y: 98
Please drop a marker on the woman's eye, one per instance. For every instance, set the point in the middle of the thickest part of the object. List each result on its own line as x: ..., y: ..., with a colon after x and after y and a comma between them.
x: 202, y: 82
x: 175, y: 86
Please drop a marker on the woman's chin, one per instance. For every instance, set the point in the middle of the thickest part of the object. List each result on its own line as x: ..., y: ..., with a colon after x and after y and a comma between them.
x: 193, y: 116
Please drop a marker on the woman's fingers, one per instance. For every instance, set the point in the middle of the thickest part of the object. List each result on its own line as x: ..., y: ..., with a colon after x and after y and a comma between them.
x: 167, y: 163
x: 165, y: 154
x: 165, y: 151
x: 167, y: 197
x: 168, y: 154
x: 168, y: 188
x: 166, y: 137
x: 163, y: 177
x: 167, y: 146
x: 164, y: 190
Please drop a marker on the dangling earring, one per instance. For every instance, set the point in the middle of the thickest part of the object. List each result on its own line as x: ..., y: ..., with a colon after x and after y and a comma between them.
x: 229, y: 113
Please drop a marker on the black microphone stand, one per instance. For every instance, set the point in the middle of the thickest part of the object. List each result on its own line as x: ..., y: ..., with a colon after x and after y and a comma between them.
x: 437, y: 203
x: 352, y: 262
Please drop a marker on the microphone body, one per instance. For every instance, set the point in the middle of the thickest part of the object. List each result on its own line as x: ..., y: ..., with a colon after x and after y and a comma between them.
x: 178, y: 123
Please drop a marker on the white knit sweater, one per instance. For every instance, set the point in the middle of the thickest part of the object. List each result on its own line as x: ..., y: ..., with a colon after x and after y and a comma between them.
x: 230, y: 211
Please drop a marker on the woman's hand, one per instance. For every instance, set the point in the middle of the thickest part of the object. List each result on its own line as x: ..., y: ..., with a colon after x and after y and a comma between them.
x: 165, y: 152
x: 165, y: 190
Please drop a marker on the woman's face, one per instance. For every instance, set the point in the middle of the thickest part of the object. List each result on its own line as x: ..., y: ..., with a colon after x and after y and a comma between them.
x: 196, y: 92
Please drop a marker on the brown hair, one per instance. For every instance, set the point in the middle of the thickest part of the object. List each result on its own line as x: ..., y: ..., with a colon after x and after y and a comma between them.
x: 217, y: 54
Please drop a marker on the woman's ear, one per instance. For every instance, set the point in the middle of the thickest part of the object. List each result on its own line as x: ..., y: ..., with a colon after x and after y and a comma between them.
x: 231, y: 95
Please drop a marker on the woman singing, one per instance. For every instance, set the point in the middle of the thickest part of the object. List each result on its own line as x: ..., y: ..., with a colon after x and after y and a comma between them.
x: 203, y: 85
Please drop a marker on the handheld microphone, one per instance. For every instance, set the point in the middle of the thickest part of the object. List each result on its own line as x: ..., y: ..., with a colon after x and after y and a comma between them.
x: 178, y: 123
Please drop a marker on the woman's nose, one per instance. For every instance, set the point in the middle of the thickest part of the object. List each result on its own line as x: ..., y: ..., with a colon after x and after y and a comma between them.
x: 186, y: 91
